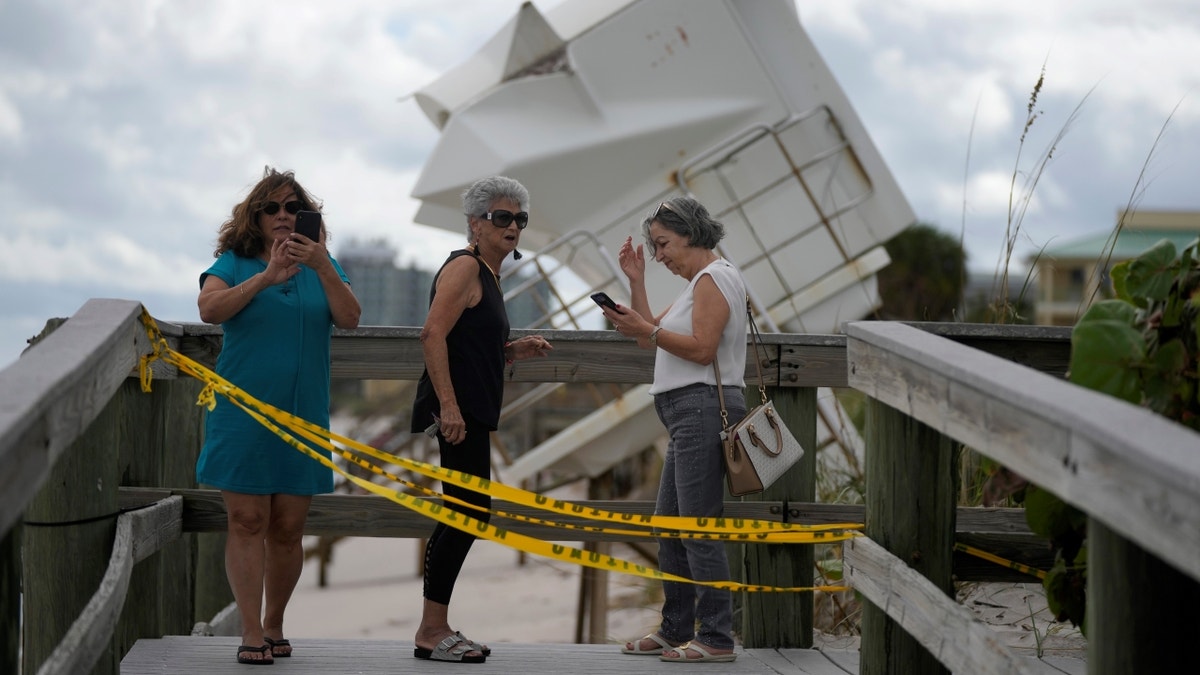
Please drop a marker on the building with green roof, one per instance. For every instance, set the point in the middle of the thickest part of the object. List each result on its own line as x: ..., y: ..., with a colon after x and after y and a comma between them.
x: 1073, y: 274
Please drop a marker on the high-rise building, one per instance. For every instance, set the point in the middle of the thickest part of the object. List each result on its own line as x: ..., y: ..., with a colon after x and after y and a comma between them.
x: 389, y: 295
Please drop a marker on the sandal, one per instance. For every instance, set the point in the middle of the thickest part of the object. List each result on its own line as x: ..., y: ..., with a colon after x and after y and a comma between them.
x: 281, y: 643
x: 475, y: 646
x: 452, y: 648
x: 637, y: 650
x: 680, y: 654
x: 264, y: 658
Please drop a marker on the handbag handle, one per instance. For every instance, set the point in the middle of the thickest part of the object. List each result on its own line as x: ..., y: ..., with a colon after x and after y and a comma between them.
x: 762, y: 387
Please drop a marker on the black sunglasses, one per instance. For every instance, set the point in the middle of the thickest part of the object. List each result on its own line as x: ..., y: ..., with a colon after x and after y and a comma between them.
x: 502, y: 218
x: 293, y: 207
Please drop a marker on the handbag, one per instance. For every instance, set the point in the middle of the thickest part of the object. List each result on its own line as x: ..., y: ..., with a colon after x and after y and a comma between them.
x: 759, y: 448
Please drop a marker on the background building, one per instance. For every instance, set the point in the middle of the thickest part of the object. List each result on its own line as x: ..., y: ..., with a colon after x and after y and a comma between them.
x: 1074, y: 274
x: 389, y: 295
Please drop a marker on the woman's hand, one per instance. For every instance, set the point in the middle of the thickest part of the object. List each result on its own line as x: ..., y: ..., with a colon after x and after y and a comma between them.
x: 527, y: 347
x: 628, y: 322
x: 301, y: 249
x: 452, y: 425
x: 633, y: 261
x: 280, y: 266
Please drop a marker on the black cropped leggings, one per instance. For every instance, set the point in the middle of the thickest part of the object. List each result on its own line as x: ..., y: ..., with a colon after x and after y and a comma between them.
x: 447, y: 547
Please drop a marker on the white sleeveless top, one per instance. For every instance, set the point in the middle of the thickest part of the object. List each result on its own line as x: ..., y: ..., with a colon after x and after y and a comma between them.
x: 672, y: 372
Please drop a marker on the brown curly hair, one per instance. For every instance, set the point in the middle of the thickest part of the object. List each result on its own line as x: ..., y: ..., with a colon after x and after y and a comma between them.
x: 241, y: 233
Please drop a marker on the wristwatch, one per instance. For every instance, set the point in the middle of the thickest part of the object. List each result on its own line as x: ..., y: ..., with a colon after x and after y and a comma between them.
x: 654, y: 335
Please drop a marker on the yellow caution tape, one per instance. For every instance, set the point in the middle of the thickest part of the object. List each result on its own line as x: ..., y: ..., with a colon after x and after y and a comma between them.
x: 991, y: 557
x: 718, y: 528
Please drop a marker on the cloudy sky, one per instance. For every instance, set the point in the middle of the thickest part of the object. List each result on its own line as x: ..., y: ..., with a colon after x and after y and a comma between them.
x: 128, y: 128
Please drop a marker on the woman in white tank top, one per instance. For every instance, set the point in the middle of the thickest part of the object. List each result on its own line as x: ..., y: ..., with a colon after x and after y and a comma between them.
x: 705, y: 324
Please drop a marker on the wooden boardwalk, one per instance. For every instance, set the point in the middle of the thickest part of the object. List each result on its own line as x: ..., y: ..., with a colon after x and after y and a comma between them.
x: 178, y: 655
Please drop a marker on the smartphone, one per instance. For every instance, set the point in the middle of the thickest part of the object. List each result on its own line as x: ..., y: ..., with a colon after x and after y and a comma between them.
x: 603, y: 300
x: 308, y: 223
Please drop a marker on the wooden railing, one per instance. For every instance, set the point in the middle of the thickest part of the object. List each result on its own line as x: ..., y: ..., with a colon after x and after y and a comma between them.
x: 1137, y: 476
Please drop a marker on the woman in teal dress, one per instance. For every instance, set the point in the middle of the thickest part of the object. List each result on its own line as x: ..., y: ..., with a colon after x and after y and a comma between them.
x: 277, y: 295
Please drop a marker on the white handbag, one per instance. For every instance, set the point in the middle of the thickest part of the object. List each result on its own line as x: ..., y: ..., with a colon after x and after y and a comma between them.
x: 759, y: 448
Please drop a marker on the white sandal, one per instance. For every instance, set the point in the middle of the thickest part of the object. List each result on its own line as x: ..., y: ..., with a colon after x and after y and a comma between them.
x: 637, y: 650
x: 705, y: 655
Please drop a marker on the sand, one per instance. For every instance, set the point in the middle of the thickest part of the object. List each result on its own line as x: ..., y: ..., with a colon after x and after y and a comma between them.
x: 374, y: 592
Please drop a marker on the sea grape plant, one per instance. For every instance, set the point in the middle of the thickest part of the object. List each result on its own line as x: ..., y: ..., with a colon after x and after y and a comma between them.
x: 1142, y: 346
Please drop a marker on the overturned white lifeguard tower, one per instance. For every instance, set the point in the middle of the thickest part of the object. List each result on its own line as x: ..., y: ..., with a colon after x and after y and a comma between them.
x: 603, y: 109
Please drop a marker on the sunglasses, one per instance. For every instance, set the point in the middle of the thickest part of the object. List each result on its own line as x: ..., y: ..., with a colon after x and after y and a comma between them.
x: 502, y: 218
x: 293, y: 207
x: 661, y: 207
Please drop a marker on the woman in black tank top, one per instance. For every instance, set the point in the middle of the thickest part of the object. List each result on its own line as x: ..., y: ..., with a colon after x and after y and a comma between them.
x: 465, y: 343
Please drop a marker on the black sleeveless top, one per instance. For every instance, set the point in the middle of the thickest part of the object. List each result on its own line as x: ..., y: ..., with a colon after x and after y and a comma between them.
x: 475, y: 346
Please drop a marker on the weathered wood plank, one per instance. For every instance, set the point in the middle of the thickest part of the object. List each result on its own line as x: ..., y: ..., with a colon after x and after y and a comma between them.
x: 55, y: 390
x: 795, y: 360
x: 215, y: 656
x: 912, y: 482
x: 945, y: 628
x: 999, y: 531
x: 811, y: 662
x: 1086, y: 447
x: 139, y: 534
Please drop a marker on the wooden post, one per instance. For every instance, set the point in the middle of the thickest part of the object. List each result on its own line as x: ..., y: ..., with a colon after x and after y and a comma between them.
x: 599, y: 488
x: 66, y: 552
x: 10, y: 599
x: 910, y: 511
x: 1141, y: 612
x: 784, y: 620
x: 163, y: 432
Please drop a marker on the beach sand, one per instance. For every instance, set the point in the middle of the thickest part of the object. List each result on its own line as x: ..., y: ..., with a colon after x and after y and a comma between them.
x: 374, y: 592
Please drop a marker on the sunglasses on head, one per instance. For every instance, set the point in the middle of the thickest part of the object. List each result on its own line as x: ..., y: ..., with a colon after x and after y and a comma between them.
x: 661, y: 207
x: 293, y: 207
x: 502, y: 218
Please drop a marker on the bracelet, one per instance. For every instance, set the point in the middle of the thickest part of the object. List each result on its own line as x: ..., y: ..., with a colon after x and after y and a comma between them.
x: 654, y: 335
x: 507, y: 361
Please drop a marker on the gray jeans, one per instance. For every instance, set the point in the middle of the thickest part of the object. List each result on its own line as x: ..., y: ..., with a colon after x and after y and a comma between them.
x: 692, y: 485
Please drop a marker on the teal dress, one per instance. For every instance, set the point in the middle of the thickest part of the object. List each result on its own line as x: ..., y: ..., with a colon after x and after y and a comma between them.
x: 277, y: 350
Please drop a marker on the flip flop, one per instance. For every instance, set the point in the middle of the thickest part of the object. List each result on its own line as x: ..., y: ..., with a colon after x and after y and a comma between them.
x: 264, y: 650
x: 452, y: 648
x: 705, y: 655
x: 281, y: 643
x: 637, y: 650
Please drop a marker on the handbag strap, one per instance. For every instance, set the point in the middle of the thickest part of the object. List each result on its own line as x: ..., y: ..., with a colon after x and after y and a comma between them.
x: 762, y: 388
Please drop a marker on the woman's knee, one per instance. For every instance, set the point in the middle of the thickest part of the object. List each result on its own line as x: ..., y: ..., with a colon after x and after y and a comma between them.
x: 247, y: 515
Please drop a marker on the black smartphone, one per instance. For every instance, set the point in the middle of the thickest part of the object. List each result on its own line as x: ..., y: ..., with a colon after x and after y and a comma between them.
x: 603, y: 300
x: 308, y: 223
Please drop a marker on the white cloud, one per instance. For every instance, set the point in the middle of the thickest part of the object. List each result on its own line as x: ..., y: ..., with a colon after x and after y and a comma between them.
x: 10, y: 120
x: 125, y: 146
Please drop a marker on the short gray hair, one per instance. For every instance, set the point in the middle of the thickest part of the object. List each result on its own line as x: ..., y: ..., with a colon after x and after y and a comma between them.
x: 687, y: 218
x: 479, y: 197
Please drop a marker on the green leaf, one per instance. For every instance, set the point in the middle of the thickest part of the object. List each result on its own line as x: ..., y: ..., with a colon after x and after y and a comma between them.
x: 1050, y: 516
x: 1152, y: 273
x: 1165, y: 379
x: 1110, y: 310
x: 1120, y: 276
x: 832, y: 569
x: 1105, y: 355
x: 1169, y: 360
